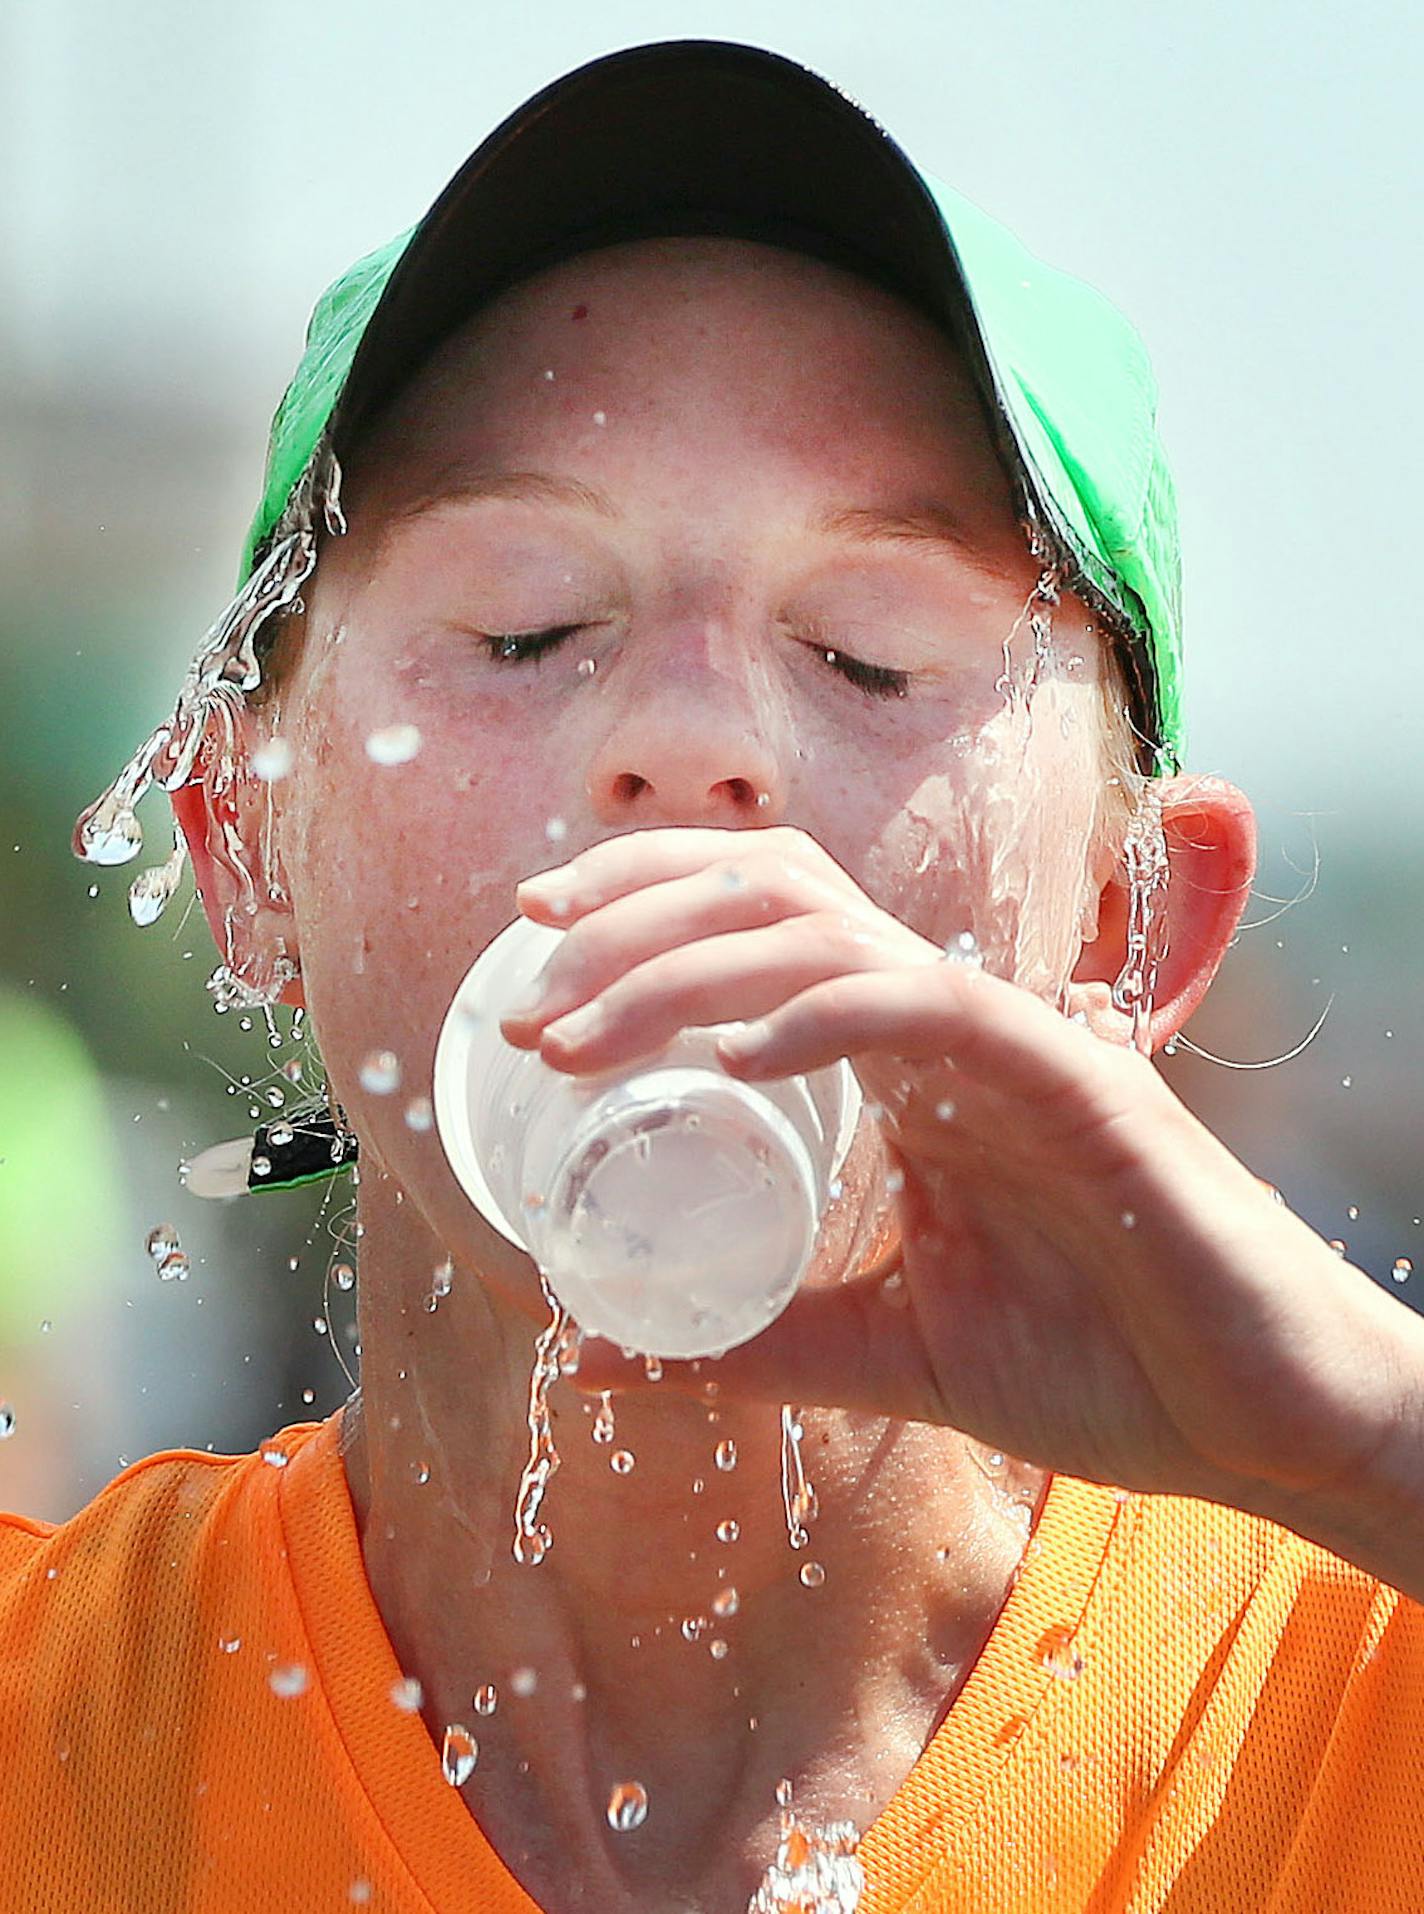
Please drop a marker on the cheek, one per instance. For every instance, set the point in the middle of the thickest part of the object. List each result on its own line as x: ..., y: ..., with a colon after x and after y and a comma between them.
x: 996, y: 841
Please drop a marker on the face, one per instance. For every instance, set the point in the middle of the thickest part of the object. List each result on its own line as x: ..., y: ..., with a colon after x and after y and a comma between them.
x: 750, y: 507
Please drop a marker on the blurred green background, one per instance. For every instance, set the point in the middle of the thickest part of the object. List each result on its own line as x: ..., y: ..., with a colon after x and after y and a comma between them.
x: 183, y: 179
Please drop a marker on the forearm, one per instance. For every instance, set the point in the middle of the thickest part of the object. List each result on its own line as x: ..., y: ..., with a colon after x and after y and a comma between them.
x: 1375, y: 1518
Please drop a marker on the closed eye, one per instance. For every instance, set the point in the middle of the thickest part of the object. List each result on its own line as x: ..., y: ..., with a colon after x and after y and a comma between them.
x: 514, y: 647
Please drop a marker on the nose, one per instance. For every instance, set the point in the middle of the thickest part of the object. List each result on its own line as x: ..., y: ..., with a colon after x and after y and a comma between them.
x: 687, y: 741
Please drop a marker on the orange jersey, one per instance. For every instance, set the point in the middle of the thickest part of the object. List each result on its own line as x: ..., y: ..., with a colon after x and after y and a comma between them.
x: 1180, y: 1707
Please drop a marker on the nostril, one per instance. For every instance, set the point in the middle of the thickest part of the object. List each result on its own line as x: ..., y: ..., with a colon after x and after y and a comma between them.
x: 628, y: 785
x: 742, y: 791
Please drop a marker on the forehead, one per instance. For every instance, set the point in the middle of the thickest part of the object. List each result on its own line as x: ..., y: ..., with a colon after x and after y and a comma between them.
x: 695, y: 336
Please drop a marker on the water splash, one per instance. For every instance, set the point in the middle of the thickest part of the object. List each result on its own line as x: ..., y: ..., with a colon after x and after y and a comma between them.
x: 816, y: 1870
x: 532, y: 1540
x: 226, y: 667
x: 798, y: 1497
x: 151, y: 889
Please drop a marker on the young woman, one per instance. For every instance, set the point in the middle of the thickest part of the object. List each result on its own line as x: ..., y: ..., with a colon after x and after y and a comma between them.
x: 687, y: 538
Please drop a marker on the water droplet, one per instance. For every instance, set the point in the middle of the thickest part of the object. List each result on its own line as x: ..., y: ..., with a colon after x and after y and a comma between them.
x: 261, y: 1166
x: 944, y: 1110
x: 280, y: 1135
x: 586, y: 667
x: 272, y: 760
x: 729, y: 1530
x: 1129, y: 1220
x: 1057, y: 1654
x: 93, y: 890
x: 407, y: 1694
x: 523, y: 1682
x: 275, y: 1458
x: 359, y: 1891
x: 555, y: 830
x: 174, y: 1268
x: 1353, y: 1212
x: 292, y: 1071
x: 7, y: 1421
x: 380, y: 1072
x: 763, y: 800
x: 343, y: 1275
x: 726, y: 1602
x: 1338, y: 1245
x: 600, y: 418
x: 420, y: 1472
x: 1403, y: 1269
x: 627, y: 1806
x: 161, y: 1242
x: 309, y: 1395
x: 459, y: 1751
x: 229, y: 1644
x: 393, y: 744
x: 783, y: 1793
x: 726, y: 1455
x: 621, y: 1461
x: 442, y: 1276
x: 603, y: 1420
x: 288, y: 1680
x: 1346, y: 1082
x: 717, y: 1648
x: 653, y: 1368
x: 418, y: 1114
x: 964, y: 949
x: 812, y: 1575
x: 486, y: 1699
x: 46, y: 1326
x: 112, y: 835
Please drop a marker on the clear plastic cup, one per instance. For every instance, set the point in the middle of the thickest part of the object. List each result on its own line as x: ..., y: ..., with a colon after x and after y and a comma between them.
x: 672, y: 1208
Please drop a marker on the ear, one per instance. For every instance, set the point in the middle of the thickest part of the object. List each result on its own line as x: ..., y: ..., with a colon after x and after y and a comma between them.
x: 231, y: 819
x: 1210, y: 830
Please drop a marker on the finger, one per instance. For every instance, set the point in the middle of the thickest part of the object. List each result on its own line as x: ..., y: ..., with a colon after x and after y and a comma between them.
x: 612, y: 940
x: 990, y: 1031
x: 854, y: 1346
x: 718, y: 979
x: 634, y: 859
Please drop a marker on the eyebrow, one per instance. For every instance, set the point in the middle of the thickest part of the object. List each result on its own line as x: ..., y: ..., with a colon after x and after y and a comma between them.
x: 929, y: 526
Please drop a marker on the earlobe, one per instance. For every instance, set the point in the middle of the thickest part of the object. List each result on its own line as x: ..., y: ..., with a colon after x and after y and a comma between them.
x: 247, y: 906
x: 1210, y: 834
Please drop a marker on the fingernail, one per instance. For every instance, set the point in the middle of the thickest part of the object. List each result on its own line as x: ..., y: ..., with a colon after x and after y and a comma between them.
x: 529, y: 1004
x: 741, y: 1043
x: 578, y: 1025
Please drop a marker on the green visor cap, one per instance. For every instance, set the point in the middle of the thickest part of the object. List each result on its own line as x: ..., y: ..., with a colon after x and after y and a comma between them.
x: 697, y: 136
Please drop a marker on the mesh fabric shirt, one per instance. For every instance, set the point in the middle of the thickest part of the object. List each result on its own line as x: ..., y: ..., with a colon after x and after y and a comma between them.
x: 1180, y: 1707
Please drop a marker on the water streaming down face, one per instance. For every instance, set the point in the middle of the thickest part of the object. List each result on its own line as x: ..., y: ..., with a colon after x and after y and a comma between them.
x: 225, y: 668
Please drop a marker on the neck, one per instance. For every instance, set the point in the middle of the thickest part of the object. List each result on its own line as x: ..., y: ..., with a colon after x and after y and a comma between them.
x: 623, y: 1622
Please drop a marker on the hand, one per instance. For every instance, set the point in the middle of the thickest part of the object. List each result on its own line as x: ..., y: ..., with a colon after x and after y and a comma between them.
x: 1086, y: 1278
